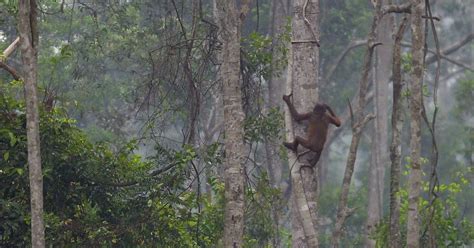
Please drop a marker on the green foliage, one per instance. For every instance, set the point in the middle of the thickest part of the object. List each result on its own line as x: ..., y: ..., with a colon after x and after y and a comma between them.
x: 97, y: 197
x: 9, y: 6
x: 450, y: 227
x: 259, y: 52
x: 259, y: 128
x: 262, y: 200
x: 328, y: 202
x: 406, y: 62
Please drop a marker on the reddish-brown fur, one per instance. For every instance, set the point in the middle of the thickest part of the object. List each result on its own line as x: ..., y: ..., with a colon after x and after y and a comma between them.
x: 318, y: 123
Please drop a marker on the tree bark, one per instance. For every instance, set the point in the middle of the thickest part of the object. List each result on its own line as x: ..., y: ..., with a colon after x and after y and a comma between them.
x: 413, y: 225
x: 359, y: 120
x: 229, y: 25
x: 395, y: 147
x: 380, y: 138
x: 302, y: 80
x: 272, y: 100
x: 275, y: 90
x: 29, y: 44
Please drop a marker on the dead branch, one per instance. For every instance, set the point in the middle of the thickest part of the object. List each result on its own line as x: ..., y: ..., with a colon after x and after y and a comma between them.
x: 453, y: 48
x: 394, y: 8
x: 6, y: 53
x: 452, y: 61
x: 353, y: 44
x: 9, y: 50
x: 10, y: 70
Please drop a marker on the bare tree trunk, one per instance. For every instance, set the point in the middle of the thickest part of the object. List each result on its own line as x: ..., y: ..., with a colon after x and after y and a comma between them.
x: 395, y: 147
x: 272, y: 100
x: 359, y: 120
x: 302, y: 80
x: 304, y: 230
x: 29, y: 44
x: 380, y: 137
x: 229, y: 25
x: 413, y: 224
x: 275, y: 90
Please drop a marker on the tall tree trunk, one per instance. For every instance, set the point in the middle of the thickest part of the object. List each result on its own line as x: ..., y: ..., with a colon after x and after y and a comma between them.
x: 413, y: 223
x: 229, y: 25
x: 395, y: 147
x: 273, y: 97
x: 380, y: 138
x: 272, y: 100
x: 29, y: 44
x: 359, y: 120
x: 302, y: 81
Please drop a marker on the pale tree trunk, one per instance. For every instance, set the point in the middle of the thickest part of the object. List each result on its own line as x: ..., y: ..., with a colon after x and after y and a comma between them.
x: 29, y: 44
x: 413, y: 223
x: 302, y: 80
x: 211, y: 133
x: 358, y: 122
x: 273, y: 97
x: 380, y: 138
x: 395, y: 147
x: 304, y: 231
x: 229, y: 30
x: 272, y: 100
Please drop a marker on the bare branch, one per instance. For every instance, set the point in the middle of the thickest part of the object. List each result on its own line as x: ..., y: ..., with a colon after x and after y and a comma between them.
x: 10, y: 70
x: 6, y: 53
x: 452, y: 61
x: 9, y: 50
x: 394, y: 8
x: 352, y: 45
x: 364, y: 121
x: 453, y: 48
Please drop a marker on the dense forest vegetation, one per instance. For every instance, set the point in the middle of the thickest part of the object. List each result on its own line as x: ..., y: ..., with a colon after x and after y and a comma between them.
x: 161, y: 123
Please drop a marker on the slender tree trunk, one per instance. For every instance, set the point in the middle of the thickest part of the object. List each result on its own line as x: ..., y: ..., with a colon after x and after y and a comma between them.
x: 302, y: 80
x: 29, y: 44
x: 272, y: 100
x: 395, y: 147
x: 413, y: 223
x: 304, y: 232
x: 229, y: 25
x: 380, y: 138
x: 358, y: 122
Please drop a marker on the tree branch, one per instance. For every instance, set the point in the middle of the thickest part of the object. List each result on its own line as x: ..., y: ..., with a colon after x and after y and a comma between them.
x: 394, y: 8
x: 451, y: 49
x: 452, y: 61
x: 6, y: 53
x: 350, y: 46
x: 9, y: 50
x: 10, y: 70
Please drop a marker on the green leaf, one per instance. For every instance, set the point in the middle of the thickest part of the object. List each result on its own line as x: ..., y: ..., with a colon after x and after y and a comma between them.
x: 13, y: 139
